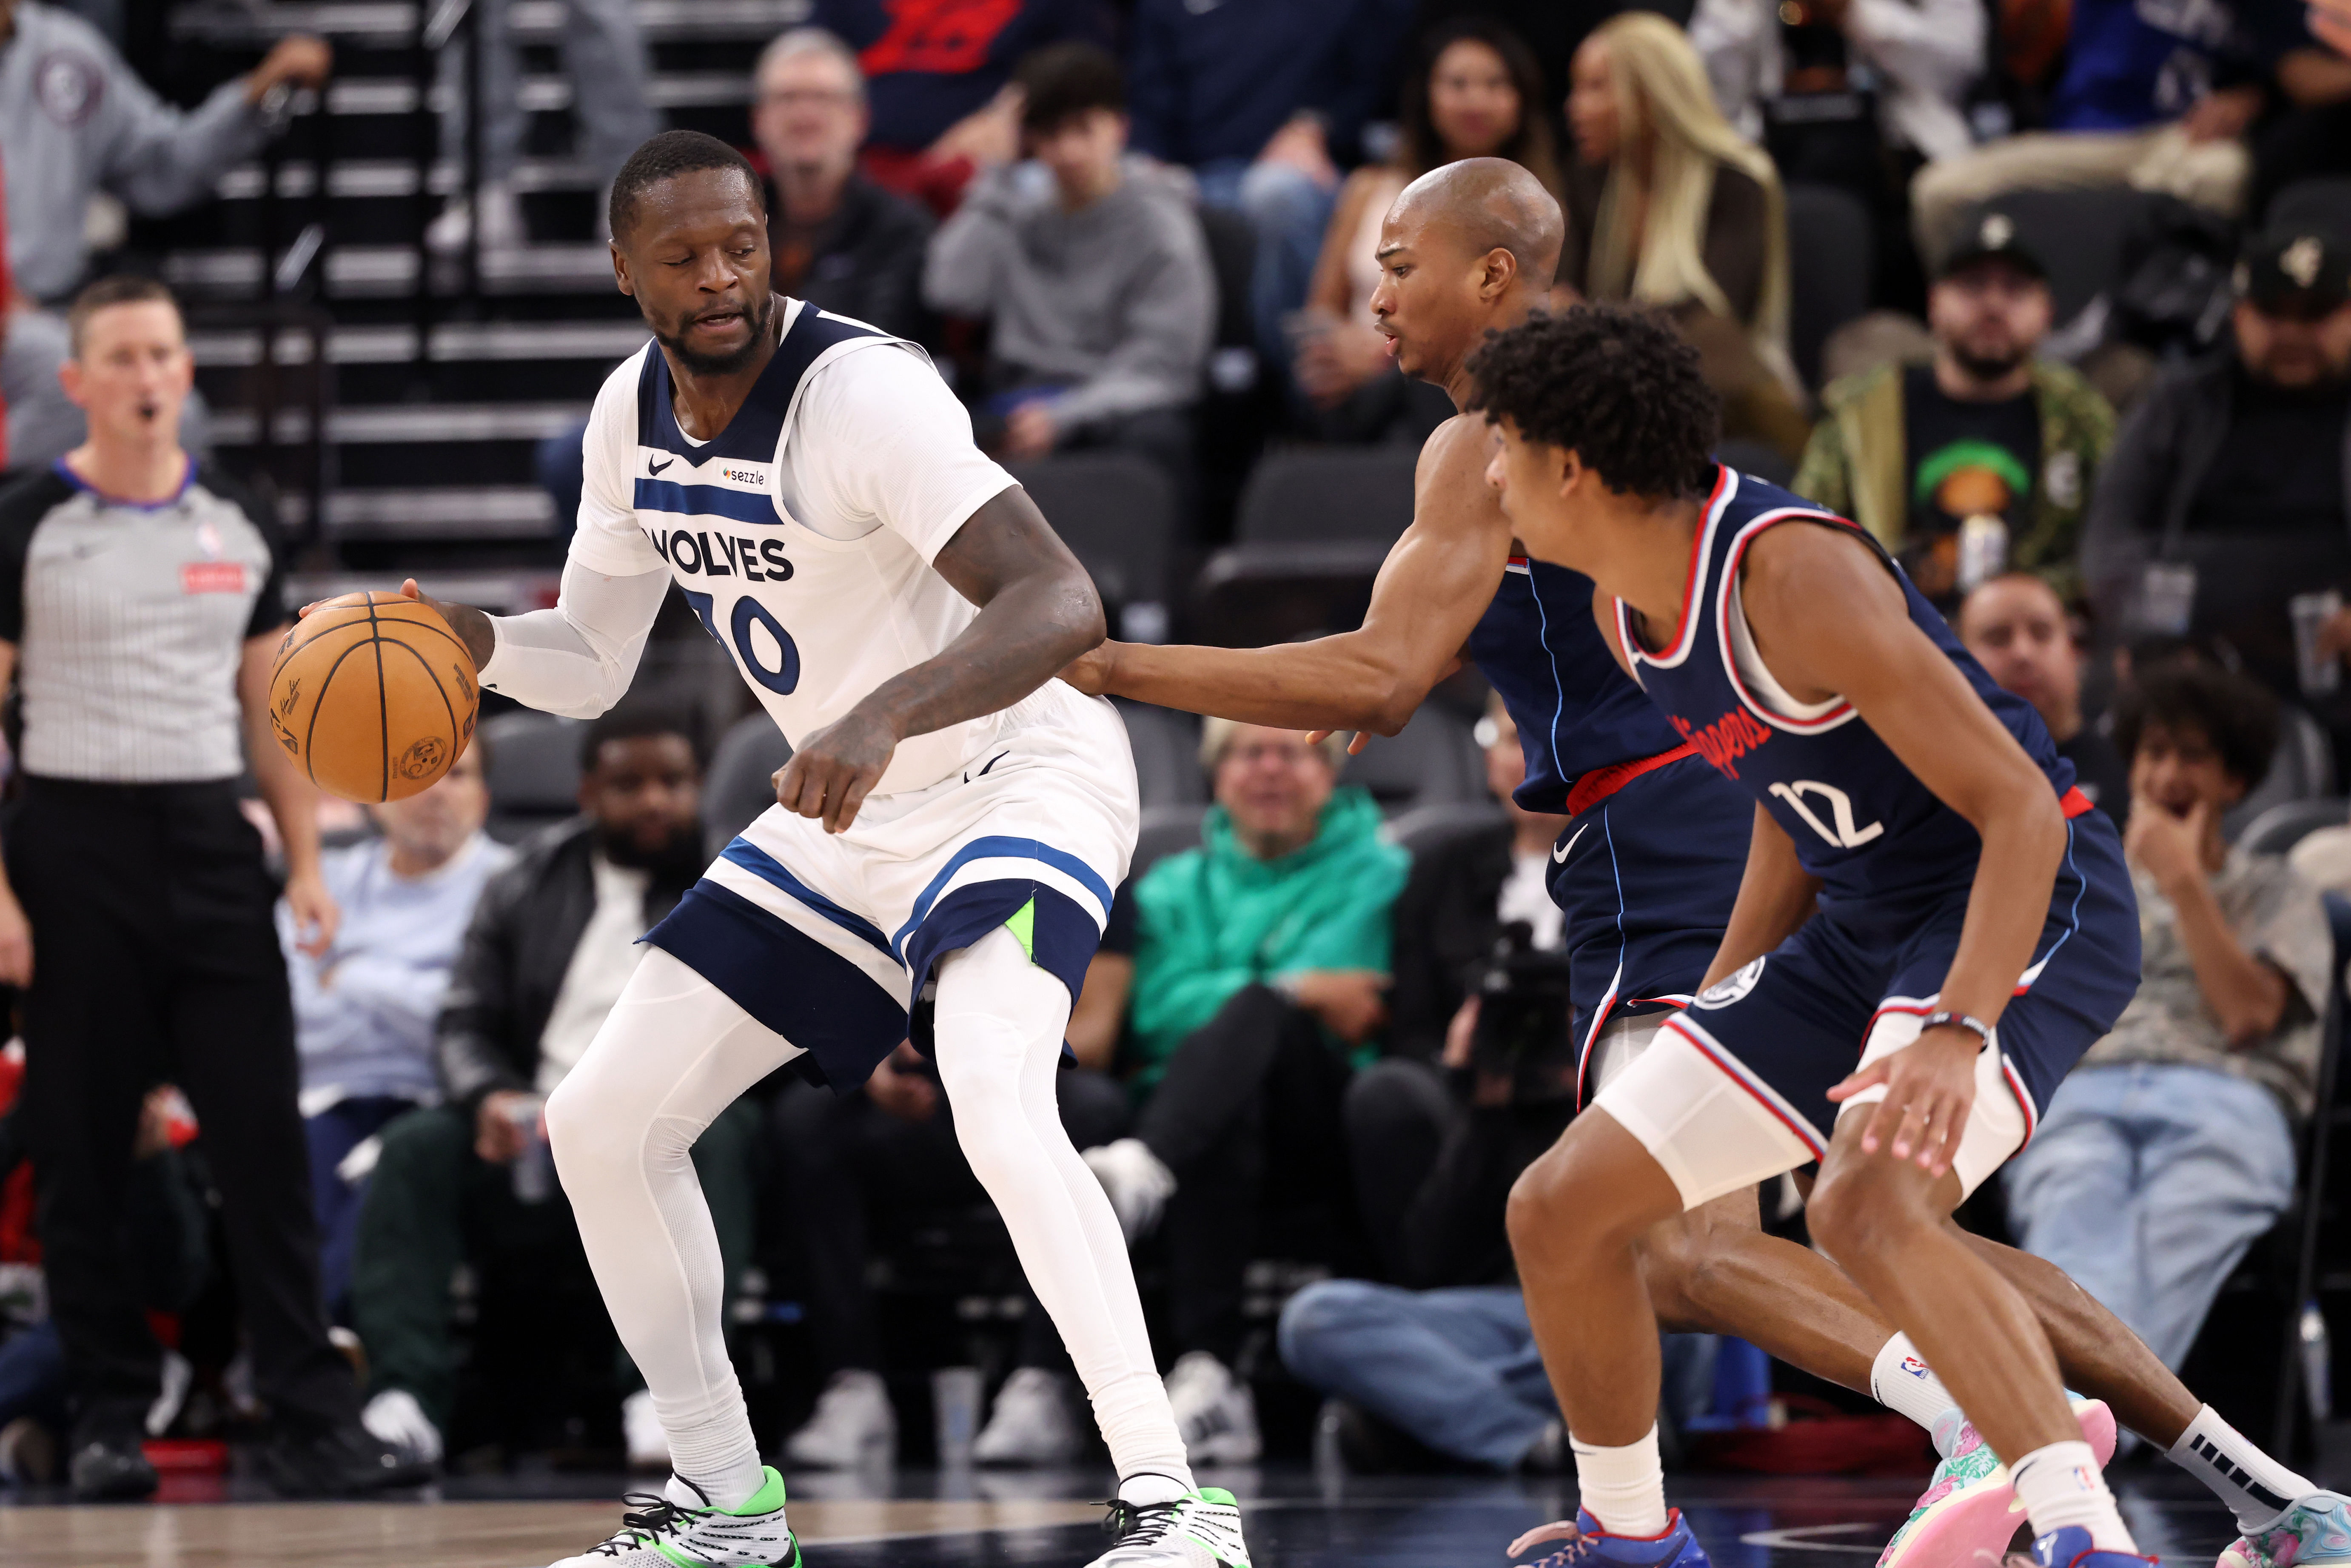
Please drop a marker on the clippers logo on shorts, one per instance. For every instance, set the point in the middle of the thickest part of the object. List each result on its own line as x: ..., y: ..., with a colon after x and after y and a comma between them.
x: 1859, y: 819
x: 212, y: 577
x: 1731, y: 987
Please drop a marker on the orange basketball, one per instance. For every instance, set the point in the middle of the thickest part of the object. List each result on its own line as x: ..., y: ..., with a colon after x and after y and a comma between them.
x: 373, y: 696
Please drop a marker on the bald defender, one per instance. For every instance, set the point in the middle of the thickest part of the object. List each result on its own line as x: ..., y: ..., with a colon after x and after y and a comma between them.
x: 1649, y: 864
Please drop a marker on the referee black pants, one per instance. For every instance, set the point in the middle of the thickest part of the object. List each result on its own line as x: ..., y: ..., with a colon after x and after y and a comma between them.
x: 155, y: 960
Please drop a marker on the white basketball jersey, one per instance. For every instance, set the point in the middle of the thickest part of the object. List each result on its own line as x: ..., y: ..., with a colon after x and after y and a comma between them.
x: 802, y: 533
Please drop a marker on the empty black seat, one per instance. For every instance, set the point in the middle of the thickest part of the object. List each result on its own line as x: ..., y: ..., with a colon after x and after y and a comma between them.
x: 1166, y: 754
x: 740, y: 783
x: 1433, y: 760
x: 1117, y: 511
x: 532, y: 768
x: 1311, y: 494
x: 1832, y: 269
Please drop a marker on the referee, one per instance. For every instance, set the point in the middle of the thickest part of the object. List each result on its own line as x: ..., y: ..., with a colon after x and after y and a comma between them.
x: 141, y: 600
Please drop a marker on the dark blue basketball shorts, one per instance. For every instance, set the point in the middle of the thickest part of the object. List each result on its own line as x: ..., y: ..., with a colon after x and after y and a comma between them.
x: 1646, y: 874
x: 1735, y: 1089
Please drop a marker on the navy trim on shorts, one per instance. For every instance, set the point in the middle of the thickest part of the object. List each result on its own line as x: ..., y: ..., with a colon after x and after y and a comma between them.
x: 765, y: 866
x: 997, y: 846
x: 786, y: 979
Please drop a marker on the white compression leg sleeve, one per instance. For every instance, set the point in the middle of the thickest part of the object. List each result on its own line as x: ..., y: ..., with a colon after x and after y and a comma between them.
x: 999, y: 1026
x: 674, y: 1052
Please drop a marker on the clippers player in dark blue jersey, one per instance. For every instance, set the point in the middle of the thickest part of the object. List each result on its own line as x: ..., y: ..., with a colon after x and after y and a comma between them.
x: 1933, y: 925
x: 1649, y: 866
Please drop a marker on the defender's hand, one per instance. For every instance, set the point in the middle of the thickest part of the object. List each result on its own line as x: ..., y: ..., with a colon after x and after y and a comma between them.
x: 1090, y: 671
x: 832, y: 774
x: 1931, y: 1087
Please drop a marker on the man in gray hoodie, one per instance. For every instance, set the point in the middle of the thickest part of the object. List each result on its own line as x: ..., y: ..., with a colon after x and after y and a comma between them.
x: 1093, y: 271
x: 75, y: 120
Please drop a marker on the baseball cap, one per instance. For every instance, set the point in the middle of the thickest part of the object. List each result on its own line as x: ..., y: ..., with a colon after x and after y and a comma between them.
x: 1992, y: 234
x: 2303, y: 271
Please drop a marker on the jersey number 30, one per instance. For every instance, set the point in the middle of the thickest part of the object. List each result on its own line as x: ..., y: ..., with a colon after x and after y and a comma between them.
x: 748, y: 612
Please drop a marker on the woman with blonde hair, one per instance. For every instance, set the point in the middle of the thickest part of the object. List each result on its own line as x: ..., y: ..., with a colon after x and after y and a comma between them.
x: 1666, y: 204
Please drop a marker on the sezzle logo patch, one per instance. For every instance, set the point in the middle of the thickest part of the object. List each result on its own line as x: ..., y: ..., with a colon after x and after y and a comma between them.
x: 212, y: 577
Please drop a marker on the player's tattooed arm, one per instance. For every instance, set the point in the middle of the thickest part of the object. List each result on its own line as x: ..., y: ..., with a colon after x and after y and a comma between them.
x: 1038, y: 610
x: 1428, y: 598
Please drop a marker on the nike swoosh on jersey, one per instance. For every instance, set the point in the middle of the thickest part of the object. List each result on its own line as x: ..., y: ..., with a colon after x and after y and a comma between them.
x: 1560, y: 852
x: 652, y: 468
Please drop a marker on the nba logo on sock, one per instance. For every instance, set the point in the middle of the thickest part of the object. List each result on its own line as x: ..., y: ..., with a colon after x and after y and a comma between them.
x: 2086, y: 1478
x: 1914, y: 1368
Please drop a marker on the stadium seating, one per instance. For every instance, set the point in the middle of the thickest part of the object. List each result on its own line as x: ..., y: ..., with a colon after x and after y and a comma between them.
x: 1167, y: 831
x: 1117, y: 511
x: 1433, y: 760
x: 1313, y: 494
x: 2303, y: 769
x: 533, y: 772
x: 740, y: 783
x: 1832, y: 267
x: 2323, y: 203
x: 1167, y: 746
x: 2078, y: 234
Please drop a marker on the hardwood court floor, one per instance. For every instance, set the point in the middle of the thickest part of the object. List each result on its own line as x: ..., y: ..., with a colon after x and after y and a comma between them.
x: 921, y: 1520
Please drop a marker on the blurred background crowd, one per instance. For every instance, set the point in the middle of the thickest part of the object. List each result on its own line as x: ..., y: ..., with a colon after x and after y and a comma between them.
x: 2053, y: 299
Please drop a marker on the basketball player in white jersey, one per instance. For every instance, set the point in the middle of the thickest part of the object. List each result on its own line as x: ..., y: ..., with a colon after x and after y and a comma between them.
x: 944, y: 843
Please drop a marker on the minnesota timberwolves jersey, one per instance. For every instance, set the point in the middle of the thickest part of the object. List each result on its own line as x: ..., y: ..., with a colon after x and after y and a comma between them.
x: 1860, y: 820
x: 816, y: 603
x: 1539, y: 648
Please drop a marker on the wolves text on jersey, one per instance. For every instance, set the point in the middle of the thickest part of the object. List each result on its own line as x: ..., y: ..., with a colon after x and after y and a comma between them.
x: 699, y: 553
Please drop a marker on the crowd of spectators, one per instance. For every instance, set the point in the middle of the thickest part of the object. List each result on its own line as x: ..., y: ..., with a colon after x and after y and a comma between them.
x: 1302, y: 1034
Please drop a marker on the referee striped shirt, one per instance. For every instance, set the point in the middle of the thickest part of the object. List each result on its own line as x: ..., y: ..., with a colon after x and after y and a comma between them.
x: 130, y: 621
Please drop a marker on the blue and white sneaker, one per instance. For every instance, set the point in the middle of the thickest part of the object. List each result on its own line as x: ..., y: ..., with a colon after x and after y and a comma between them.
x: 2071, y: 1548
x: 2316, y: 1531
x: 1589, y: 1546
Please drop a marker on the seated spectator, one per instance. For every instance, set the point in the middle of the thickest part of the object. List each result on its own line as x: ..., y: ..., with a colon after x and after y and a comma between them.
x: 604, y: 59
x: 1260, y: 964
x: 1476, y: 92
x: 1851, y: 93
x: 1094, y: 280
x: 939, y: 81
x: 2171, y: 1147
x: 2018, y: 629
x: 2154, y: 97
x: 2229, y: 490
x: 1667, y: 206
x: 1982, y: 459
x: 552, y: 942
x: 75, y: 121
x: 876, y: 1164
x: 364, y: 1009
x: 1259, y: 101
x: 1465, y: 895
x: 835, y: 238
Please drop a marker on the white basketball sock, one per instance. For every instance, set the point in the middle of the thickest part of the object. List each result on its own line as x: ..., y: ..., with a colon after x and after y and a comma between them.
x: 673, y: 1052
x: 2256, y: 1488
x: 1623, y: 1489
x: 2059, y: 1486
x: 998, y: 1024
x: 1901, y: 1380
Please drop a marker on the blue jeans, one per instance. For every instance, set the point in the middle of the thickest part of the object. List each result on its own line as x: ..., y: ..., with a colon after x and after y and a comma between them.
x: 332, y: 1134
x: 2145, y: 1183
x: 33, y: 1375
x: 1457, y: 1369
x: 1289, y: 211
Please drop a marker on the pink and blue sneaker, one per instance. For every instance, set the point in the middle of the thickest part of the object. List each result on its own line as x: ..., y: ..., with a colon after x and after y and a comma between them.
x: 1589, y: 1546
x: 2315, y: 1532
x: 1969, y: 1513
x: 2071, y: 1548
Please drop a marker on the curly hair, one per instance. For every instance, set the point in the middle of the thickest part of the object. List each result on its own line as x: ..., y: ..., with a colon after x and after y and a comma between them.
x: 664, y: 157
x: 1613, y: 383
x: 2237, y: 717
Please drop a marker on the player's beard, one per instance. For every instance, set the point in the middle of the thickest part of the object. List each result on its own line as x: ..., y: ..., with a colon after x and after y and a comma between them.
x: 757, y: 313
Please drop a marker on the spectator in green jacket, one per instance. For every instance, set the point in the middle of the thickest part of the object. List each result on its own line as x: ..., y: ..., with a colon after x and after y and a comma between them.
x: 1980, y: 461
x: 1260, y: 969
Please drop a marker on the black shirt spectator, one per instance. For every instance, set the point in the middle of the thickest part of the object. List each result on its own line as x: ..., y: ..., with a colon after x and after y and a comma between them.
x: 2165, y: 550
x: 838, y: 239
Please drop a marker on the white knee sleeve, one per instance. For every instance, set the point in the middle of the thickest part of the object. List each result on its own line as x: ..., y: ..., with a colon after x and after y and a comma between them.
x: 998, y: 1029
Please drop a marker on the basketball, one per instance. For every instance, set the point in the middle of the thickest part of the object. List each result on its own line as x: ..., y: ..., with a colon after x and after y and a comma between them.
x: 373, y: 696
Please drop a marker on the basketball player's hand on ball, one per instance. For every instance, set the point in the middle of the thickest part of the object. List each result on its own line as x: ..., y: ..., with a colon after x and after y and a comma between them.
x: 16, y: 942
x: 830, y: 775
x: 1931, y: 1087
